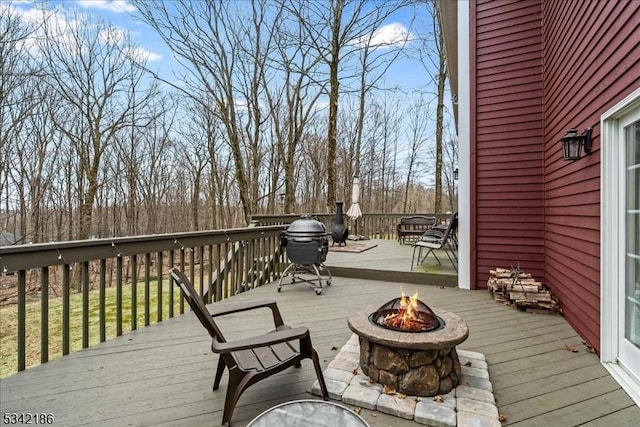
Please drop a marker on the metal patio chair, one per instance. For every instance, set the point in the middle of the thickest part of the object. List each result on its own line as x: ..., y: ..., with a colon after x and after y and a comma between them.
x: 434, y: 239
x: 250, y: 360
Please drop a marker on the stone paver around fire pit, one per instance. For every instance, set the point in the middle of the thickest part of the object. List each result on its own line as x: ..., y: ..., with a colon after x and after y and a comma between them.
x: 470, y: 404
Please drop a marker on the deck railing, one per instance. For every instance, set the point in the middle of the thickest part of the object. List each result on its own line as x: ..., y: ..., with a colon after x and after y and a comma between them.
x: 120, y: 284
x: 220, y: 263
x: 371, y: 225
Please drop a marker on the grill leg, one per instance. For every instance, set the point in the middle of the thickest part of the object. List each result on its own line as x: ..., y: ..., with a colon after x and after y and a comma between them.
x: 318, y: 288
x: 284, y: 273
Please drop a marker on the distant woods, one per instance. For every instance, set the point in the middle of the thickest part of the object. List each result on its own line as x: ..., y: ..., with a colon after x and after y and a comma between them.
x: 275, y: 107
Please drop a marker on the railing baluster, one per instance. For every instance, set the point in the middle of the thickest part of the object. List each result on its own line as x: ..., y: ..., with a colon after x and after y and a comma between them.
x: 260, y: 264
x: 134, y: 291
x: 240, y: 266
x: 119, y: 296
x: 218, y: 294
x: 22, y: 319
x: 85, y: 304
x: 211, y: 289
x: 192, y: 267
x: 147, y: 273
x: 181, y: 268
x: 102, y: 295
x: 44, y: 314
x: 171, y: 301
x: 228, y: 269
x: 253, y: 264
x: 66, y: 291
x: 159, y: 286
x: 201, y: 270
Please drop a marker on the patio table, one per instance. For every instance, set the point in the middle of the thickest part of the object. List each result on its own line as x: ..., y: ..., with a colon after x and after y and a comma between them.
x: 308, y: 413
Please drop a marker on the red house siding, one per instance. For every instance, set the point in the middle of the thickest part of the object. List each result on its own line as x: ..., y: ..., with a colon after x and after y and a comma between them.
x: 508, y: 138
x: 591, y: 62
x: 540, y: 67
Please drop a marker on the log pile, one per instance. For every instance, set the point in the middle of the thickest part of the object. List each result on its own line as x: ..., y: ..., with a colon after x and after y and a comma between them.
x: 515, y: 287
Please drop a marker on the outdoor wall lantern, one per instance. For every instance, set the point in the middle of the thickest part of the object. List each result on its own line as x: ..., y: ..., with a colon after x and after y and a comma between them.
x: 573, y: 142
x: 455, y: 174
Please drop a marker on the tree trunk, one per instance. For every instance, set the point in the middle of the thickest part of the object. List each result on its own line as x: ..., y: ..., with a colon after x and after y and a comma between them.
x: 334, y: 92
x: 442, y: 76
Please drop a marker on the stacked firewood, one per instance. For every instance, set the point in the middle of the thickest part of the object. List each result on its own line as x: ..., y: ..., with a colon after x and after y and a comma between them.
x: 515, y: 287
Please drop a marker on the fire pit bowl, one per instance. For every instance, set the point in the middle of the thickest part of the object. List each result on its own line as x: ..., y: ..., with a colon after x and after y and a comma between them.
x: 417, y: 364
x: 406, y: 314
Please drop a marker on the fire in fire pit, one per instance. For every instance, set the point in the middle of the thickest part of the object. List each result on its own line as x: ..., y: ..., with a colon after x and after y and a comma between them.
x: 406, y: 314
x: 417, y: 364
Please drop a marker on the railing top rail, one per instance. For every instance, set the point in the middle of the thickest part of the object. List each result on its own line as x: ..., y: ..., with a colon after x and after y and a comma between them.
x: 273, y: 217
x: 22, y: 257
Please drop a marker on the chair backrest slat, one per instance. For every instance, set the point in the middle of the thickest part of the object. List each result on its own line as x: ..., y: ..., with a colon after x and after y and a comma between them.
x: 197, y: 305
x: 452, y: 227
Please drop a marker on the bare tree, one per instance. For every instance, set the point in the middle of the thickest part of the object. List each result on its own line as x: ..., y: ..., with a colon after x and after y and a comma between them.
x: 17, y: 104
x: 334, y: 33
x: 376, y: 56
x: 417, y: 136
x: 212, y: 39
x: 442, y: 77
x: 450, y: 165
x: 294, y: 100
x: 91, y: 73
x: 432, y: 56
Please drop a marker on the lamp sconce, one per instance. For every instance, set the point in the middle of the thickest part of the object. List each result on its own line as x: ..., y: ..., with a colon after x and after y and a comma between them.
x: 572, y: 144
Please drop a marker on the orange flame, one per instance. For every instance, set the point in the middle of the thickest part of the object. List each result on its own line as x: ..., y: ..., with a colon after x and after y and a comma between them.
x: 406, y: 317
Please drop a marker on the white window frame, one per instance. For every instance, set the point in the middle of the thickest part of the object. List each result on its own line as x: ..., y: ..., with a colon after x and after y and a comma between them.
x: 611, y: 156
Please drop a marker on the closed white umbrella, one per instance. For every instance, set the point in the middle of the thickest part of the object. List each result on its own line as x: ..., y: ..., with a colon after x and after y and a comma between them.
x: 354, y: 211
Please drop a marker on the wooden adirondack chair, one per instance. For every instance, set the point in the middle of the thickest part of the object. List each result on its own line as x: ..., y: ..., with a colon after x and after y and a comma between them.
x: 250, y: 360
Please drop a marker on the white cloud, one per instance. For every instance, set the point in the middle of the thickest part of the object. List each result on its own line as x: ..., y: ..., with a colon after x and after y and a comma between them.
x: 140, y: 53
x: 116, y: 6
x: 113, y: 35
x: 395, y: 34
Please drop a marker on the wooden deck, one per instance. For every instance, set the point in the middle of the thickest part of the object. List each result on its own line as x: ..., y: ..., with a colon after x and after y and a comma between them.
x: 391, y: 261
x: 162, y: 374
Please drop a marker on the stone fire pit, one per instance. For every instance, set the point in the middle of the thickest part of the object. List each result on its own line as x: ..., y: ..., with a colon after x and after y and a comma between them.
x: 413, y: 363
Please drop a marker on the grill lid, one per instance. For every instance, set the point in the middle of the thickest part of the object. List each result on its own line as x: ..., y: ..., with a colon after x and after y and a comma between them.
x: 306, y: 227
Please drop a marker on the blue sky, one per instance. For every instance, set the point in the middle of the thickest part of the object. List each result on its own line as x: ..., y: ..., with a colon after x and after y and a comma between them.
x: 406, y: 73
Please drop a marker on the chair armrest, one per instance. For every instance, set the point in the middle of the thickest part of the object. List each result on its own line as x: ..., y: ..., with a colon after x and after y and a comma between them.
x: 432, y: 235
x: 260, y: 340
x: 252, y: 305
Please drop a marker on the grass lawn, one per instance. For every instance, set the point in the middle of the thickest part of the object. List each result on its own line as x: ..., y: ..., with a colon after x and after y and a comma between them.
x: 9, y: 322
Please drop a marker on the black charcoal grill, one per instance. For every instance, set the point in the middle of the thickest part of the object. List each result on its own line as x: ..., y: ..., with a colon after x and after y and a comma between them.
x: 307, y: 245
